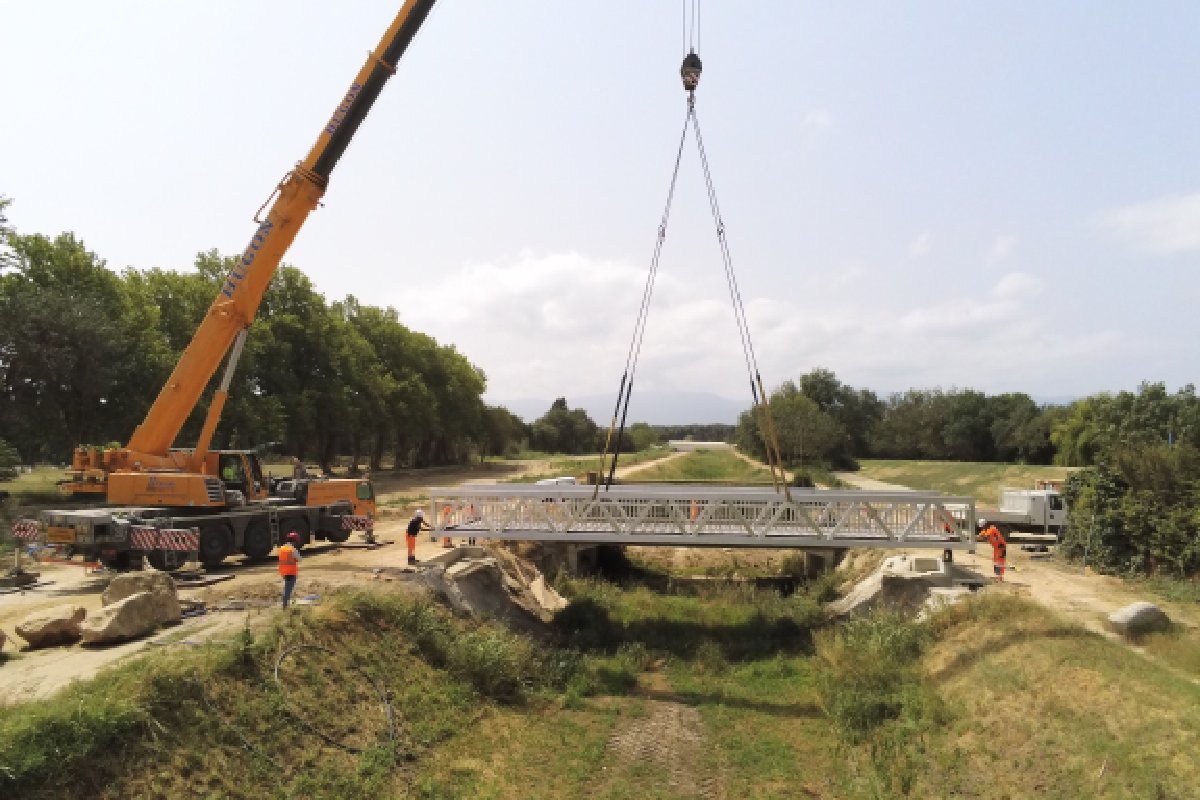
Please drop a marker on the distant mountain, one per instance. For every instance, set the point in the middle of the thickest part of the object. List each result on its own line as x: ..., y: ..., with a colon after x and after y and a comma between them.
x: 656, y: 408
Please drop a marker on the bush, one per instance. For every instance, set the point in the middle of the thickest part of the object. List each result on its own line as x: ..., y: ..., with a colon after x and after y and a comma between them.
x: 868, y: 672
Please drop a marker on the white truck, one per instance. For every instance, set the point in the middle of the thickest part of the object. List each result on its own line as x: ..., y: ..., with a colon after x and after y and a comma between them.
x: 1027, y: 511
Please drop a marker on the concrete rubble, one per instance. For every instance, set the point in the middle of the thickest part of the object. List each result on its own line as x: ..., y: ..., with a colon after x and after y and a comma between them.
x: 128, y: 618
x: 1139, y: 618
x: 160, y: 587
x: 52, y: 626
x: 908, y: 584
x: 494, y: 584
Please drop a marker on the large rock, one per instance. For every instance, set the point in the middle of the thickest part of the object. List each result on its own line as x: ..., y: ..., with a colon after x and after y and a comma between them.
x: 51, y: 626
x: 1139, y: 618
x: 126, y: 619
x: 157, y: 584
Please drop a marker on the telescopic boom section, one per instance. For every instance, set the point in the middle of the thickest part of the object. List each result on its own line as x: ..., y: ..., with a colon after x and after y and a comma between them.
x: 297, y: 195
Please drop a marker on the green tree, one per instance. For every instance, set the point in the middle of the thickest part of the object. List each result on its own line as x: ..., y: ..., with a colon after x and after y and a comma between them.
x: 9, y: 460
x: 564, y: 430
x: 858, y: 411
x: 77, y: 354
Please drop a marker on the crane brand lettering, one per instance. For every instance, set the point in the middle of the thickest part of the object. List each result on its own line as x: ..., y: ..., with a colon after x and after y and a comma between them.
x: 238, y: 273
x: 343, y: 109
x: 159, y: 485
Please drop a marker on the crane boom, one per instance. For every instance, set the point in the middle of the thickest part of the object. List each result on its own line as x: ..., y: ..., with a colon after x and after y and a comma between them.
x: 242, y: 292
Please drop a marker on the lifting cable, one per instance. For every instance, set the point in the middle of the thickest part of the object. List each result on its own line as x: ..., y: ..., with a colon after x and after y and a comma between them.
x: 690, y: 73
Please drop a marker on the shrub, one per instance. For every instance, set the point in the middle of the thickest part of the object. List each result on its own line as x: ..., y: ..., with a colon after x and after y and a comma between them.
x: 868, y: 672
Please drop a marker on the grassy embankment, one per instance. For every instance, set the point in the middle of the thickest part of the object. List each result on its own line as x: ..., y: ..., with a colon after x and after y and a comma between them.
x: 703, y: 466
x: 994, y: 698
x: 980, y: 480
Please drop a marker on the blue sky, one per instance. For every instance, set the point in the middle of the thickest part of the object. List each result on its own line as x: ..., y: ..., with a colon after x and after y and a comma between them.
x: 998, y: 195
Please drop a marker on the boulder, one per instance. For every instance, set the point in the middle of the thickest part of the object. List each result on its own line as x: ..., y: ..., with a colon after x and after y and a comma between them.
x: 51, y: 626
x: 130, y: 618
x: 1139, y: 618
x: 157, y: 584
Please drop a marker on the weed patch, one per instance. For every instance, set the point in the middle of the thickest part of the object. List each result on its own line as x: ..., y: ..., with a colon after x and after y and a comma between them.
x: 870, y: 672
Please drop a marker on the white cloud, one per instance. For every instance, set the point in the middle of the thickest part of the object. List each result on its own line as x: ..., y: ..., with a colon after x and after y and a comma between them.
x: 815, y: 120
x: 547, y: 325
x: 919, y: 246
x: 1017, y: 285
x: 1170, y: 224
x: 1000, y: 249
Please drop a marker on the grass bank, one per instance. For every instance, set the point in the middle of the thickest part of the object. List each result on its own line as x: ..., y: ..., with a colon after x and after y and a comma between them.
x: 701, y: 466
x: 980, y: 480
x: 634, y: 692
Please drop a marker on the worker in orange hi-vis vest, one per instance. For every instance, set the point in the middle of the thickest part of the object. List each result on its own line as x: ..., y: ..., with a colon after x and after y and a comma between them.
x: 410, y: 534
x: 289, y: 565
x: 446, y: 543
x: 999, y: 549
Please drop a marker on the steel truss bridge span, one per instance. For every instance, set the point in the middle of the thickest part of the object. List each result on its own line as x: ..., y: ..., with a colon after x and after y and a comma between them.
x: 704, y: 516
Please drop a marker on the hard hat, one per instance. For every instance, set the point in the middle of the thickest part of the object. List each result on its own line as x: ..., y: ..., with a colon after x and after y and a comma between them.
x: 421, y: 513
x: 982, y: 522
x: 293, y: 537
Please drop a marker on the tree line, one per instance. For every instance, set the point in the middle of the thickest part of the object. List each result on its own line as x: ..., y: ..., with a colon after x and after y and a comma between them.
x: 84, y: 351
x: 821, y: 421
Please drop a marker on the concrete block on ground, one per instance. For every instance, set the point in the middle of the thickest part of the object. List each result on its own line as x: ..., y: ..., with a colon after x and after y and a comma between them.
x: 158, y: 584
x: 130, y: 618
x: 1139, y: 618
x: 902, y: 583
x: 52, y: 626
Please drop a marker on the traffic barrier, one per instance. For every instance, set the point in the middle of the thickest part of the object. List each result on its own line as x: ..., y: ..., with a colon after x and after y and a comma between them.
x: 357, y: 523
x: 25, y: 529
x: 183, y: 540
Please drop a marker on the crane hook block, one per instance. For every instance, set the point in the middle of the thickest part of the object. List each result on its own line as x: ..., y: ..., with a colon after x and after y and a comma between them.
x: 690, y: 71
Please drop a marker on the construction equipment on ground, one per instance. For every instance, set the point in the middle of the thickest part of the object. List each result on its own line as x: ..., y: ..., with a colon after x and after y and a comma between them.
x: 223, y: 493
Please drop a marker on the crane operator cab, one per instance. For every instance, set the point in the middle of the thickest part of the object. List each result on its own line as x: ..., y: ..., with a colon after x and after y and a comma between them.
x: 241, y: 471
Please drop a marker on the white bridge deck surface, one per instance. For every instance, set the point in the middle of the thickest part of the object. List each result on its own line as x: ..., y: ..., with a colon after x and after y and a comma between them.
x: 704, y: 516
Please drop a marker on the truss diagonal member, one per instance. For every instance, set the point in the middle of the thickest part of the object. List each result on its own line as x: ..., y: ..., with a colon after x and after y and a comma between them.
x: 803, y: 512
x: 676, y: 518
x: 873, y: 514
x: 922, y: 508
x: 764, y: 514
x: 845, y: 515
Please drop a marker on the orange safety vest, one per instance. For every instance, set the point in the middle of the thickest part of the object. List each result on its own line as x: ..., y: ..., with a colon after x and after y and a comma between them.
x: 288, y: 563
x: 996, y: 540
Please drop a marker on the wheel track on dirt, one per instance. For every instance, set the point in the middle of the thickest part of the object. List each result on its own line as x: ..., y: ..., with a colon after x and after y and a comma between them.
x: 670, y: 739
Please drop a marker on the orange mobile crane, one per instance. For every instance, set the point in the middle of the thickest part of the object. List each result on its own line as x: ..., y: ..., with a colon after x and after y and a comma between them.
x: 221, y: 494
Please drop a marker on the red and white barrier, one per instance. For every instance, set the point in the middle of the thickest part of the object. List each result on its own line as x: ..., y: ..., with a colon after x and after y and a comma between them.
x: 183, y: 540
x: 357, y: 523
x: 25, y: 529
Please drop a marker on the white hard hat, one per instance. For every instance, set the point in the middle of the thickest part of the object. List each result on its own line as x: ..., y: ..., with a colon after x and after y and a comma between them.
x: 420, y: 512
x: 982, y: 522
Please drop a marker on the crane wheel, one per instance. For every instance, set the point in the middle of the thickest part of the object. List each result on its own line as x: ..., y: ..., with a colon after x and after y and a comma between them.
x: 216, y: 542
x: 257, y: 544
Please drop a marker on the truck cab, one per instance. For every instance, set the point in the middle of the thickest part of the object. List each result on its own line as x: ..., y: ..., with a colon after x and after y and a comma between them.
x: 1030, y: 511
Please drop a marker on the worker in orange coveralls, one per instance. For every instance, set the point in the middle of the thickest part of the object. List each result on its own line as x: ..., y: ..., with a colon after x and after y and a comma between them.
x: 999, y: 548
x: 415, y: 526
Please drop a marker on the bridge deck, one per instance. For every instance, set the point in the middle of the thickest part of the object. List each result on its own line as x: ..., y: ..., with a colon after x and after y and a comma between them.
x: 705, y: 516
